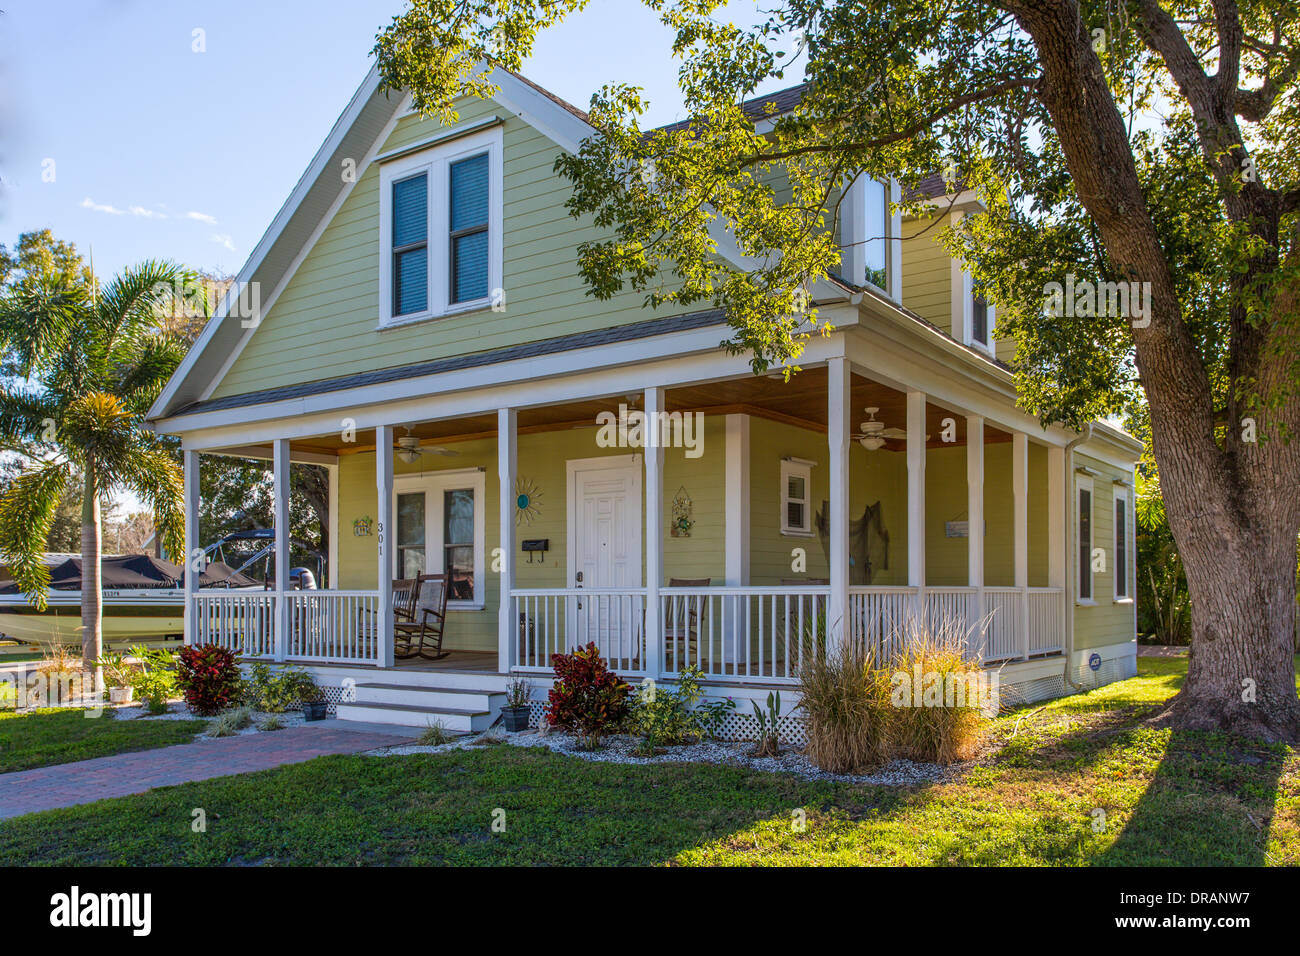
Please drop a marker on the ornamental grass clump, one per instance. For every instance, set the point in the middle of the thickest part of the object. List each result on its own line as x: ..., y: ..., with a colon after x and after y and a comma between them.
x: 845, y: 702
x: 941, y: 698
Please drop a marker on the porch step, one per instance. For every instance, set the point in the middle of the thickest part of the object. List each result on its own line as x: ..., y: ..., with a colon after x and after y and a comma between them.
x: 454, y: 698
x: 413, y: 715
x: 459, y: 709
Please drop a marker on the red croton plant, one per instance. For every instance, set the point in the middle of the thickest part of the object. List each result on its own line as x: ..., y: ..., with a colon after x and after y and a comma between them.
x: 208, y: 676
x: 587, y: 697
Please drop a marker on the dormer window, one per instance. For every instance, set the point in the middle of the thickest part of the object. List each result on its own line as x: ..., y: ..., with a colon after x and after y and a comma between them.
x: 440, y: 229
x: 870, y: 233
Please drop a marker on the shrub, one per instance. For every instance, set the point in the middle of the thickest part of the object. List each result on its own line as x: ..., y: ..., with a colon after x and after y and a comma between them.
x: 231, y: 722
x: 659, y: 715
x: 154, y: 679
x: 768, y: 739
x: 275, y: 691
x: 845, y: 700
x: 938, y: 695
x: 587, y: 698
x: 208, y: 676
x: 271, y: 723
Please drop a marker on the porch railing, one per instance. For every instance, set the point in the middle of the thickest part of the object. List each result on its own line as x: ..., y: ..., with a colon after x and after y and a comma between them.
x: 242, y: 622
x: 337, y: 627
x: 879, y: 617
x: 333, y: 627
x: 743, y: 633
x: 558, y: 620
x: 1046, y: 620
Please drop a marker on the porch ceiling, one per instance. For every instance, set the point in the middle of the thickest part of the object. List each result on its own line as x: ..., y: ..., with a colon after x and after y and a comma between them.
x: 801, y: 402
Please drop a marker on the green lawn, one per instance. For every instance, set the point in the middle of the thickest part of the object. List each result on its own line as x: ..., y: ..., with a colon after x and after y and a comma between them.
x: 1167, y: 799
x: 46, y: 737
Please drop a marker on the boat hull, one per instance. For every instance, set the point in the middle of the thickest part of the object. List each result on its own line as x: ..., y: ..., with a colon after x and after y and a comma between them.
x: 128, y: 617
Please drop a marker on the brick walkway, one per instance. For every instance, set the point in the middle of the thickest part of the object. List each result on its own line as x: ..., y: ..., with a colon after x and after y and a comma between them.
x: 65, y: 785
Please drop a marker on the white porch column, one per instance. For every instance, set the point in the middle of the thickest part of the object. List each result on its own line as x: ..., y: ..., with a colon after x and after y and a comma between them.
x: 1059, y: 515
x: 280, y: 496
x: 916, y: 498
x: 975, y: 511
x: 385, y: 535
x: 1020, y: 530
x: 192, y: 560
x: 507, y: 465
x: 737, y: 501
x: 654, y: 529
x: 838, y: 413
x: 332, y: 572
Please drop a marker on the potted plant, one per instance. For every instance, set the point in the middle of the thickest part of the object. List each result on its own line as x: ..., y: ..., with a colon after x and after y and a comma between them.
x: 117, y: 677
x: 312, y: 695
x: 515, y: 711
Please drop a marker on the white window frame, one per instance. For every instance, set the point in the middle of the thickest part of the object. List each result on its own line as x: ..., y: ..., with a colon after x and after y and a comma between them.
x: 1125, y: 595
x: 796, y: 467
x: 433, y: 484
x: 963, y: 305
x: 435, y: 162
x: 856, y: 233
x: 1082, y: 484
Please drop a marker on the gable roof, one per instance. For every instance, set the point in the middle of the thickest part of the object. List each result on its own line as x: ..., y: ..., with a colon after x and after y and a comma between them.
x: 356, y: 135
x: 359, y: 131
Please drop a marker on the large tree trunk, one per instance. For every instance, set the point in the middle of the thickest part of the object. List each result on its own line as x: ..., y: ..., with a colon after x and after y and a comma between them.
x: 92, y: 598
x: 1233, y: 505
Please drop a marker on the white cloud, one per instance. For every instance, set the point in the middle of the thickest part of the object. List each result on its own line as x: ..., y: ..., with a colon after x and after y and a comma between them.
x: 223, y: 239
x: 147, y: 213
x: 89, y: 203
x: 202, y: 217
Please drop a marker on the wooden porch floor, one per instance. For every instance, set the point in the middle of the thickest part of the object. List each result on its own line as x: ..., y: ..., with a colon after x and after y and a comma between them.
x: 480, y: 662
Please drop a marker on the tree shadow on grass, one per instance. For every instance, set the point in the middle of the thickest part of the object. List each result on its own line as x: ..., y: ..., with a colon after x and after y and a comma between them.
x: 1210, y: 803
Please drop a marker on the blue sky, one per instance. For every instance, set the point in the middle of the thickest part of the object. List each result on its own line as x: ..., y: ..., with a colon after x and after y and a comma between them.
x: 158, y: 151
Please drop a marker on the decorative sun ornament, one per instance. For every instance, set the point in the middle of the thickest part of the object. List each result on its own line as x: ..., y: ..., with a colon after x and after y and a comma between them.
x: 527, y: 501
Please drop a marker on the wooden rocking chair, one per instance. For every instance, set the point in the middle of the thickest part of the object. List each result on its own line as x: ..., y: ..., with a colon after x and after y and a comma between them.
x: 418, y: 626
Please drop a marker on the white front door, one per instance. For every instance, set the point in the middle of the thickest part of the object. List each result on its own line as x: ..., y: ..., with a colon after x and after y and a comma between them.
x: 605, y: 531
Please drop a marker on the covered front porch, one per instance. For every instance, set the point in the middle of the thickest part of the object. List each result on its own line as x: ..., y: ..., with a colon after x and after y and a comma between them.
x: 749, y: 521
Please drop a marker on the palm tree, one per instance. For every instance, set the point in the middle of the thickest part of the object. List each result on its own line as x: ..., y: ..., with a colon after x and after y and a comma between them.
x: 93, y: 361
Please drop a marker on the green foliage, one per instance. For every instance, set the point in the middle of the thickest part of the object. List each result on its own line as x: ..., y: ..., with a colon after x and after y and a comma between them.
x: 275, y: 690
x: 1164, y: 605
x: 117, y: 670
x: 88, y: 360
x: 767, y: 740
x: 662, y: 716
x: 154, y: 677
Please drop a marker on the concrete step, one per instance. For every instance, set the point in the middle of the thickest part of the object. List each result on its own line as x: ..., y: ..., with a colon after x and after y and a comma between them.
x: 454, y: 698
x: 455, y: 720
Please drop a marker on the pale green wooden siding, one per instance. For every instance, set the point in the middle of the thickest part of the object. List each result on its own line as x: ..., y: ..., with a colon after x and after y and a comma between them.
x: 876, y: 476
x: 542, y: 460
x: 1107, y: 622
x: 325, y: 323
x: 927, y: 272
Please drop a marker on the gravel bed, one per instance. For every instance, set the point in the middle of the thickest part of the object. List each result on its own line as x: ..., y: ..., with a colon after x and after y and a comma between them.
x: 619, y: 749
x: 178, y: 711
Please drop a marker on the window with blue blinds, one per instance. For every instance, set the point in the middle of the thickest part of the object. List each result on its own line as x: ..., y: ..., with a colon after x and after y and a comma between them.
x: 468, y: 226
x: 411, y: 245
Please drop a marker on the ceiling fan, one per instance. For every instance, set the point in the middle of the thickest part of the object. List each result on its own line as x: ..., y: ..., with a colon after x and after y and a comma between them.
x: 873, y: 434
x: 408, y: 449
